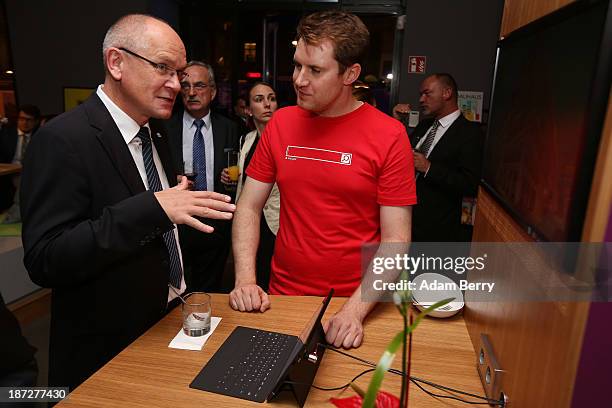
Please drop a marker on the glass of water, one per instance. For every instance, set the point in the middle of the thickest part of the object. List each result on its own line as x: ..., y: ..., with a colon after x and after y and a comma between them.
x: 196, y: 314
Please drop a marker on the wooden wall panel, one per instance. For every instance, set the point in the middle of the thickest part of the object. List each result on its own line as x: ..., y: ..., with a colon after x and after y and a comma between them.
x: 517, y: 13
x: 537, y: 343
x: 600, y: 198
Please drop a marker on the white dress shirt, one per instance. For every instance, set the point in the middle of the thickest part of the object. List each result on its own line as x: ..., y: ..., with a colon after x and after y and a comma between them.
x: 17, y: 159
x: 129, y: 129
x: 189, y: 129
x: 445, y: 123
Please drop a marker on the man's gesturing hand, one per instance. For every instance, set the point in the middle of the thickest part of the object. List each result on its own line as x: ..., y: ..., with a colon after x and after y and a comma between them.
x: 249, y: 298
x: 181, y: 205
x: 344, y: 329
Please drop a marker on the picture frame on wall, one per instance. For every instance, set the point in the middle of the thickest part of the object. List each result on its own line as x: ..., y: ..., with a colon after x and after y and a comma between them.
x: 74, y: 96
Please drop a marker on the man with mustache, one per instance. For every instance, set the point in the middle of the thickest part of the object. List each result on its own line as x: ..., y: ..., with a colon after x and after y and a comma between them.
x: 199, y: 141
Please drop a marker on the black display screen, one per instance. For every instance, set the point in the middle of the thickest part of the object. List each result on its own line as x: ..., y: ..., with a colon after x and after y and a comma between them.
x: 549, y: 99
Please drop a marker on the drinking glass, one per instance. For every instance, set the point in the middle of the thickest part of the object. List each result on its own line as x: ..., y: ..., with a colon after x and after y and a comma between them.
x: 196, y: 314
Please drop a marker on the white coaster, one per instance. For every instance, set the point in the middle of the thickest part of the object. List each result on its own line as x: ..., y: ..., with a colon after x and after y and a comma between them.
x: 185, y: 342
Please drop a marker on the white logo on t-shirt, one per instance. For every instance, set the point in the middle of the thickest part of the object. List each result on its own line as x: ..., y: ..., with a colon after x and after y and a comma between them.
x: 324, y: 155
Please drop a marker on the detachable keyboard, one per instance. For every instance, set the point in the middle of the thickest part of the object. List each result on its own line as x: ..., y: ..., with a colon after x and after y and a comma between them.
x: 248, y: 364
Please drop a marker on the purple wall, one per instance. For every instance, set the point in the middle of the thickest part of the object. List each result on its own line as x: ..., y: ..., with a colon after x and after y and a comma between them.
x: 593, y: 377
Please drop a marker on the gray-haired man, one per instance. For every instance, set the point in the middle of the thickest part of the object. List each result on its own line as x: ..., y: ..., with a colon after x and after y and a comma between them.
x: 199, y: 140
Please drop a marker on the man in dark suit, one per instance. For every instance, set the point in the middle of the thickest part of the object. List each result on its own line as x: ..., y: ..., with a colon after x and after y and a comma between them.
x: 241, y: 117
x: 14, y: 141
x: 199, y: 142
x: 98, y: 208
x: 447, y: 158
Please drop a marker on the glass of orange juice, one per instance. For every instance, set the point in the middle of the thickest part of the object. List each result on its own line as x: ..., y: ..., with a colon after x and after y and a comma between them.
x: 232, y: 166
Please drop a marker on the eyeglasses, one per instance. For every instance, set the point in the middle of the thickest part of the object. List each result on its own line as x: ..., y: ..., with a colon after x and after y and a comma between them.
x: 161, y: 69
x: 198, y: 86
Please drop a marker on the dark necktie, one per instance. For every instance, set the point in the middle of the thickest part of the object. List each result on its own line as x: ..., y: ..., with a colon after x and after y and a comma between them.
x: 248, y: 158
x: 175, y: 270
x: 429, y: 139
x: 24, y: 145
x: 199, y: 157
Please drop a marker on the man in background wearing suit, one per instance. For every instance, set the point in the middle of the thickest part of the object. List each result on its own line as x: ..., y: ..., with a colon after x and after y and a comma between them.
x: 447, y: 158
x: 13, y: 144
x: 99, y: 210
x: 199, y: 141
x: 241, y: 117
x: 14, y: 140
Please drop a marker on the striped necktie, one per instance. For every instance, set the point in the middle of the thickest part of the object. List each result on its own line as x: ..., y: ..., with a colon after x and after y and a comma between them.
x: 175, y: 272
x: 199, y: 157
x: 429, y: 139
x: 24, y: 145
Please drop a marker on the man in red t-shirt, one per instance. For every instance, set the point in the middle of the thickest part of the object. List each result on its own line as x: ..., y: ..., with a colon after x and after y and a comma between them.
x: 345, y: 174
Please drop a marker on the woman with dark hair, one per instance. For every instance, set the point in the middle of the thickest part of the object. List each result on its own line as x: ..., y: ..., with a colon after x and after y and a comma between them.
x: 261, y: 104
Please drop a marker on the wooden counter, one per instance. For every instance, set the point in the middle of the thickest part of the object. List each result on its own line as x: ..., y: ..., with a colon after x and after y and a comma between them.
x: 149, y: 374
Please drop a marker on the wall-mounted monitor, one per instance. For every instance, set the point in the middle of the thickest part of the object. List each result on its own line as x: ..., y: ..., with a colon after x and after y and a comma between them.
x: 550, y: 95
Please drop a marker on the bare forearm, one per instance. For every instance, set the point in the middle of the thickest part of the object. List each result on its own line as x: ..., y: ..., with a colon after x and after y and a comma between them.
x: 245, y: 239
x: 357, y: 305
x: 395, y: 240
x: 365, y: 297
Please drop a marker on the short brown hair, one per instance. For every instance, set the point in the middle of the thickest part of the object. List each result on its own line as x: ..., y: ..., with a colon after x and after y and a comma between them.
x: 348, y: 34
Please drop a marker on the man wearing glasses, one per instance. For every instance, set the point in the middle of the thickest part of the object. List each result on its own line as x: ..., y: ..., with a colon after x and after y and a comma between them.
x: 99, y: 210
x: 199, y: 141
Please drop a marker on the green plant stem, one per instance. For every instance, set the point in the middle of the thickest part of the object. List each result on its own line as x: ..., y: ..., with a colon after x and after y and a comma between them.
x: 369, y: 401
x: 404, y: 378
x: 407, y: 376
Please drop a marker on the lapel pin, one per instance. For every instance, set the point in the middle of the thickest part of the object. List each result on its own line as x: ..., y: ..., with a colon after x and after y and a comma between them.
x: 158, y: 134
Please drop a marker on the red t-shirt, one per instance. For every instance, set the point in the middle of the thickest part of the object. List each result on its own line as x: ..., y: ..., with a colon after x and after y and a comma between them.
x: 333, y: 175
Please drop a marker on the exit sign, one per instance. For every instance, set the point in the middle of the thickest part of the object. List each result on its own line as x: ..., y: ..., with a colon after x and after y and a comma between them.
x: 417, y: 64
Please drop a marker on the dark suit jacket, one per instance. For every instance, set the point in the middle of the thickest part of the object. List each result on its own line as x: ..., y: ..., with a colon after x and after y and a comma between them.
x: 93, y: 234
x: 8, y: 143
x: 225, y: 136
x: 456, y: 162
x: 243, y: 126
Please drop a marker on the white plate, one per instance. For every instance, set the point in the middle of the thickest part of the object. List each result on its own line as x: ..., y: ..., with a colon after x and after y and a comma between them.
x: 423, y: 297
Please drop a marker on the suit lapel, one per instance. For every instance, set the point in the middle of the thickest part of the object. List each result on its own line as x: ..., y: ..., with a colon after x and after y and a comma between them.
x: 218, y: 132
x: 109, y: 136
x: 448, y: 139
x: 14, y: 137
x: 419, y: 132
x: 174, y: 138
x: 160, y: 140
